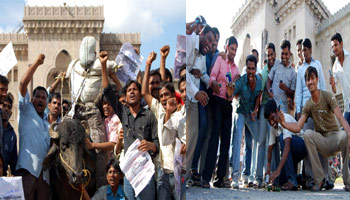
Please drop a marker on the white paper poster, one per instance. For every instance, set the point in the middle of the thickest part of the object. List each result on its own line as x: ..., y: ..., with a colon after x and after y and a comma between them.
x: 11, y: 188
x: 180, y: 55
x: 7, y: 59
x: 137, y: 167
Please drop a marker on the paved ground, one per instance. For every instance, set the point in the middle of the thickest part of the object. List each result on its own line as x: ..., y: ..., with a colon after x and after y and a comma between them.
x: 218, y: 193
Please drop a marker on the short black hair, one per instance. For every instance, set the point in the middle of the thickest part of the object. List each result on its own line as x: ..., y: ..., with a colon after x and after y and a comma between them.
x: 232, y: 40
x: 216, y: 31
x: 183, y: 67
x: 300, y: 41
x: 337, y: 36
x: 131, y: 82
x: 309, y: 71
x: 122, y: 92
x: 113, y: 163
x: 40, y: 88
x: 270, y: 46
x: 167, y: 85
x: 265, y: 61
x: 155, y: 72
x: 251, y: 58
x: 168, y: 75
x: 54, y: 95
x: 207, y: 29
x: 4, y: 80
x: 270, y: 108
x: 307, y: 43
x: 9, y: 99
x: 65, y: 101
x: 182, y: 79
x: 285, y: 44
x: 256, y: 51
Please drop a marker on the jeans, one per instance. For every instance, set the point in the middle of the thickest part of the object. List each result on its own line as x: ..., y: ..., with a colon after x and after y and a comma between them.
x: 249, y: 161
x: 166, y: 187
x: 297, y: 153
x: 222, y: 122
x: 148, y: 193
x: 245, y: 119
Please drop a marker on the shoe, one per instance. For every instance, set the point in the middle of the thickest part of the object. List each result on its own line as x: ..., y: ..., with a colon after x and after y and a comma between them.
x: 316, y: 188
x: 347, y: 188
x: 329, y: 185
x: 289, y: 186
x: 219, y: 183
x: 257, y: 184
x: 235, y: 185
x: 205, y: 184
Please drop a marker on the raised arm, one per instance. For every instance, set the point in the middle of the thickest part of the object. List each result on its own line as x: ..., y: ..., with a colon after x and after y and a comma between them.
x: 28, y: 75
x: 103, y: 59
x: 164, y: 52
x: 145, y: 93
x: 58, y: 80
x: 115, y: 79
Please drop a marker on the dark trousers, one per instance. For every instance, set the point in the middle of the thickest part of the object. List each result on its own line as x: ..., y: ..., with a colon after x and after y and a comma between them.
x: 34, y: 188
x: 297, y: 153
x: 222, y: 122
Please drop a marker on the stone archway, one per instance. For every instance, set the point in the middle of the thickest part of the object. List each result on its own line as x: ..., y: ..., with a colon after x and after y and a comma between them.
x: 61, y: 64
x: 246, y: 51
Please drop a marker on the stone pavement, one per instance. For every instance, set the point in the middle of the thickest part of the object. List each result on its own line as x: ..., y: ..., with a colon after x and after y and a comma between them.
x: 193, y: 193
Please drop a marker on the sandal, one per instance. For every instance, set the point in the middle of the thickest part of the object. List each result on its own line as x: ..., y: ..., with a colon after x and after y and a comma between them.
x: 347, y: 188
x: 289, y: 186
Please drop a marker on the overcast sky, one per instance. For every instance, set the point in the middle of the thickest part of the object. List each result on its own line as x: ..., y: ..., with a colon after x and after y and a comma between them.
x: 219, y: 13
x: 158, y: 21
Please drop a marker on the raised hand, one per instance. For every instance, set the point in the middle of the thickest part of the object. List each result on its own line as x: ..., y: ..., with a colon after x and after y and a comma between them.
x: 103, y: 57
x: 152, y: 56
x: 164, y: 51
x: 40, y: 59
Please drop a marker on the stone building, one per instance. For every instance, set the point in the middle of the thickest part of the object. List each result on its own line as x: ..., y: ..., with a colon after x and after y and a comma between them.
x: 259, y: 22
x: 57, y: 32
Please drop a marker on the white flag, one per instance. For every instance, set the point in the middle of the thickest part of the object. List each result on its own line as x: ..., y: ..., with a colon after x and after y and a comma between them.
x: 7, y: 59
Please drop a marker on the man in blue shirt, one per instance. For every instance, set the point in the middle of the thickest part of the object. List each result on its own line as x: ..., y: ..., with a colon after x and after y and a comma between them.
x: 9, y: 138
x: 34, y: 139
x: 248, y: 89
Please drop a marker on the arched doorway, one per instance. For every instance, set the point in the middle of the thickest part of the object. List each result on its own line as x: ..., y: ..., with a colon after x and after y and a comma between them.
x: 246, y: 51
x: 61, y: 64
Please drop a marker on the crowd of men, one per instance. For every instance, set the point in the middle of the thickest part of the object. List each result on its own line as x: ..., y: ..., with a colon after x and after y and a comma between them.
x: 150, y: 110
x: 285, y: 111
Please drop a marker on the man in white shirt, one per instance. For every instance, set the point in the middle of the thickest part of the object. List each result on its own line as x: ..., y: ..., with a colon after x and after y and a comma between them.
x: 292, y: 148
x: 197, y: 46
x: 341, y: 72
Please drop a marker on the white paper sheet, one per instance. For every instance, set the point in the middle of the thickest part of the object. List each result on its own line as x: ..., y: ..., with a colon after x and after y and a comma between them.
x: 7, y: 59
x: 11, y: 188
x: 137, y: 167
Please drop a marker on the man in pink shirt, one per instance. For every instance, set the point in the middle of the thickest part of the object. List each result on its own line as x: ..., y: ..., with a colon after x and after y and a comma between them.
x: 222, y: 78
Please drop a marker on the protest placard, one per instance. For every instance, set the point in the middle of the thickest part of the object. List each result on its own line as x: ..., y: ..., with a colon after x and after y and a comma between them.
x: 137, y: 167
x: 11, y: 188
x: 180, y: 55
x: 128, y: 62
x: 7, y: 59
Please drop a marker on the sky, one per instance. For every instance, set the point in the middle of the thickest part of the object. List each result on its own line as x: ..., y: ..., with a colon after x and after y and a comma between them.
x: 158, y: 21
x: 220, y: 13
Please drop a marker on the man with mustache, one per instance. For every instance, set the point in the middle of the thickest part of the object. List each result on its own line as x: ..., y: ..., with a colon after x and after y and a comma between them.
x: 282, y: 79
x: 248, y: 89
x: 34, y: 138
x: 9, y: 137
x: 138, y: 123
x: 55, y: 108
x: 197, y: 46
